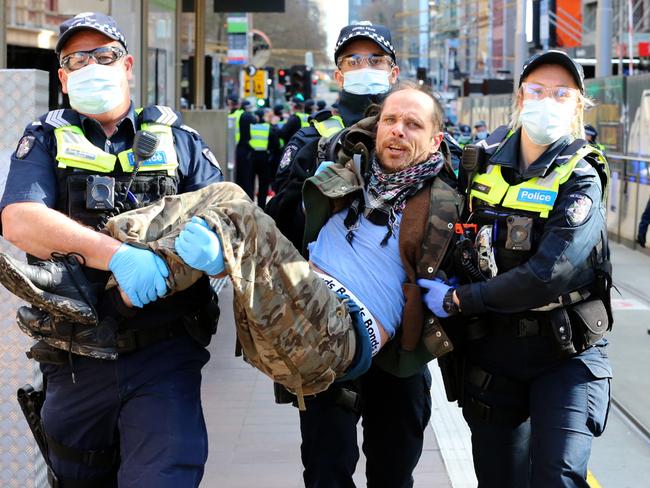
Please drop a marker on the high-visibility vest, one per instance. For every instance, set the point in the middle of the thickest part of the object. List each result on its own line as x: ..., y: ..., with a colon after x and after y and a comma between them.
x: 329, y: 127
x: 233, y: 121
x: 260, y: 136
x: 74, y: 150
x: 536, y: 195
x: 304, y: 119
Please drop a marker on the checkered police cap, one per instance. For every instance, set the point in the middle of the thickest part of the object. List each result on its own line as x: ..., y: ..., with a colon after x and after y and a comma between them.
x: 377, y: 33
x: 555, y: 57
x: 89, y: 20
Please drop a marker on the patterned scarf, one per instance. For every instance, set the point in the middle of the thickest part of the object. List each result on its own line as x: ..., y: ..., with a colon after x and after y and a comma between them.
x: 386, y: 194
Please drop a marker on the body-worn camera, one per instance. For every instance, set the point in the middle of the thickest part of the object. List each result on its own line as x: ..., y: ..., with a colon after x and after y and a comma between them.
x: 100, y: 193
x: 520, y: 233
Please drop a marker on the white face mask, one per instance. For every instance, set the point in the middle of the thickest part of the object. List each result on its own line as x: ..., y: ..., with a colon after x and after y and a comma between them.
x: 95, y: 88
x: 545, y: 121
x: 366, y: 81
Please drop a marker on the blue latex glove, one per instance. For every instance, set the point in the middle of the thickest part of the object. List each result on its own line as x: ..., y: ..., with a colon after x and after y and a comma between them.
x: 436, y: 291
x: 200, y: 247
x: 140, y: 273
x: 322, y: 166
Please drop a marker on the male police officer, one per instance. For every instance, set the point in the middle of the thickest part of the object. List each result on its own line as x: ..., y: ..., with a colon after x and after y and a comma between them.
x: 136, y: 421
x: 244, y: 164
x: 297, y: 120
x: 366, y: 68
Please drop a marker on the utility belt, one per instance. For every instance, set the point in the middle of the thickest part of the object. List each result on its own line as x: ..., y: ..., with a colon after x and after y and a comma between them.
x: 132, y: 340
x: 574, y: 328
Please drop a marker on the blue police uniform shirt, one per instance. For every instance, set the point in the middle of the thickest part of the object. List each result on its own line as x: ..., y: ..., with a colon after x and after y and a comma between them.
x: 373, y: 273
x: 562, y: 261
x: 32, y: 177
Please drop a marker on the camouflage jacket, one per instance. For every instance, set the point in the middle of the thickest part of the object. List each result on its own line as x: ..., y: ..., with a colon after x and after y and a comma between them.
x: 425, y: 237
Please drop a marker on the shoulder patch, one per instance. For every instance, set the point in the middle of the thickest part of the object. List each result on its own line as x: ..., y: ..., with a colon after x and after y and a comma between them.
x: 161, y: 114
x: 25, y: 145
x: 211, y: 157
x: 577, y: 208
x: 287, y: 156
x: 60, y: 118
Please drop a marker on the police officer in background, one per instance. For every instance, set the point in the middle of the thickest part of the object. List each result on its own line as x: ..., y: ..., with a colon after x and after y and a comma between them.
x: 464, y: 135
x: 480, y: 131
x: 591, y: 136
x: 297, y: 120
x: 533, y: 377
x: 366, y: 68
x: 136, y: 421
x: 265, y: 145
x: 310, y: 106
x: 244, y: 169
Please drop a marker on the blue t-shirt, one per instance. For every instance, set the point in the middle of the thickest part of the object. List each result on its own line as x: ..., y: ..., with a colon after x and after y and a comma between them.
x: 374, y: 273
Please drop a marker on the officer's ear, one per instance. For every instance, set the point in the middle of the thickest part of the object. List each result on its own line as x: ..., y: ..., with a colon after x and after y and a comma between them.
x: 394, y: 73
x: 128, y: 64
x: 338, y: 76
x: 63, y: 78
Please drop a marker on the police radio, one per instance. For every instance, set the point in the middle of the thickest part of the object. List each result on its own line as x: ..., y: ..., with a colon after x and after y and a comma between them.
x: 145, y: 144
x: 472, y: 161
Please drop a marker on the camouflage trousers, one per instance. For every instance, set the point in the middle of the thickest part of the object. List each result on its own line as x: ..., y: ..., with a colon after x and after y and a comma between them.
x: 291, y: 326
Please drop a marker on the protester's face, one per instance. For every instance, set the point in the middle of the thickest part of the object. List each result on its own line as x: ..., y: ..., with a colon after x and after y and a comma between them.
x: 406, y: 134
x: 87, y: 40
x: 364, y: 47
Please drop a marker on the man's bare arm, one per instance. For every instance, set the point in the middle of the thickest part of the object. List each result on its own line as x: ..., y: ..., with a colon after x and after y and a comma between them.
x: 39, y: 230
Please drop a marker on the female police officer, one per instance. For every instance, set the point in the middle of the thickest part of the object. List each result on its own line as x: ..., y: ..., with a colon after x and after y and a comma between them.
x: 535, y: 372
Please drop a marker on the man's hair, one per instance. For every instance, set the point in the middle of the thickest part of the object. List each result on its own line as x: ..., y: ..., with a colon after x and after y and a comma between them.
x: 438, y: 111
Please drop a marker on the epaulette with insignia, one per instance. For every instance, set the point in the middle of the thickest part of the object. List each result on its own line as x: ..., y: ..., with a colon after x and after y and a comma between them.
x: 62, y: 117
x: 160, y: 114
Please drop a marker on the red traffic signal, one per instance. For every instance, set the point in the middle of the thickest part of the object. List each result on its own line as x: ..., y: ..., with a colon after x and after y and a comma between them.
x: 281, y: 72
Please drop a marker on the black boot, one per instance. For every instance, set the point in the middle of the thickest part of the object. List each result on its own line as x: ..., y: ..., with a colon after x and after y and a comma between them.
x: 97, y: 341
x: 58, y: 286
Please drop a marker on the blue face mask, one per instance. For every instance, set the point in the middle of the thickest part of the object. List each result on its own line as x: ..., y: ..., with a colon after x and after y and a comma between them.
x: 95, y: 89
x: 546, y: 120
x: 366, y: 81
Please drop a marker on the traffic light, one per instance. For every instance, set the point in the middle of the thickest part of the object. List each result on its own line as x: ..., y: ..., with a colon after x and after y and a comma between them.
x: 301, y: 80
x: 285, y: 80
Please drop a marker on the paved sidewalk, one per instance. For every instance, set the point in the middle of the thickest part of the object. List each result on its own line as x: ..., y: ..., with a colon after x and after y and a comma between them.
x: 256, y: 443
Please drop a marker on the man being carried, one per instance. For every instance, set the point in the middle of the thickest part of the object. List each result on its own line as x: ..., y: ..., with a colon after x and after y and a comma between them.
x: 307, y: 323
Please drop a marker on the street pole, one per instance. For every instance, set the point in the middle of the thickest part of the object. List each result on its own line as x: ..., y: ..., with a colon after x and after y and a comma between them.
x: 604, y: 17
x: 630, y: 27
x: 521, y: 45
x: 199, y: 54
x: 3, y: 34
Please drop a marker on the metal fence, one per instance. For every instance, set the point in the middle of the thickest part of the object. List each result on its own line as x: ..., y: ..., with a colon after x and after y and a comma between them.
x: 628, y: 196
x: 24, y: 98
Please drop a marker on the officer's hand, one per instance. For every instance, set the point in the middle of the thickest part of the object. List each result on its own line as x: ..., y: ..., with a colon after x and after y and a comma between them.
x: 435, y: 292
x: 140, y: 273
x: 200, y: 247
x: 322, y: 166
